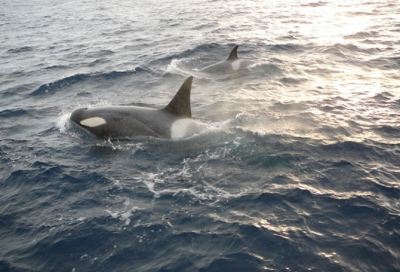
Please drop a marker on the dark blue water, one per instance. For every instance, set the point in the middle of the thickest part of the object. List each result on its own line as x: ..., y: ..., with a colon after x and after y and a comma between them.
x: 297, y: 169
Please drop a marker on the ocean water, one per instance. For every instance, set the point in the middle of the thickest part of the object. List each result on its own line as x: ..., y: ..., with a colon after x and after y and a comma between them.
x: 297, y: 167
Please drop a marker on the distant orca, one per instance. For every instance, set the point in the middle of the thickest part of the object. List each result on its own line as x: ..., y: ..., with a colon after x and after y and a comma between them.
x: 125, y: 121
x: 231, y: 64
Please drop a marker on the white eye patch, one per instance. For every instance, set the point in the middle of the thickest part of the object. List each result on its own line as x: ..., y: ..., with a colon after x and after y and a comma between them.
x: 93, y: 122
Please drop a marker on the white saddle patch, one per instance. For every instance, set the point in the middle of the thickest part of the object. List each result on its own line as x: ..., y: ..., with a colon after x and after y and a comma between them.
x: 236, y: 65
x: 93, y: 122
x: 186, y: 127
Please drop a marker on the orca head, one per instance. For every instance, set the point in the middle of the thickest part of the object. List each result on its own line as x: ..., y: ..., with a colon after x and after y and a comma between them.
x: 76, y: 115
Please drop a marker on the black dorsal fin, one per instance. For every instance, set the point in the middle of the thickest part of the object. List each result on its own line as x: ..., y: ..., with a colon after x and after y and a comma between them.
x: 180, y: 104
x: 233, y: 54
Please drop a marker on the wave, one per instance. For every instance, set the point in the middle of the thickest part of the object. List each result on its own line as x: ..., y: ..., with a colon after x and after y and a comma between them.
x: 17, y: 90
x: 241, y: 261
x: 388, y: 131
x: 391, y: 63
x: 20, y: 49
x: 383, y: 97
x: 10, y: 265
x: 344, y: 50
x: 360, y: 13
x: 363, y: 151
x: 287, y: 47
x: 191, y: 52
x: 315, y: 4
x: 53, y: 87
x: 12, y: 113
x: 292, y: 80
x: 303, y: 195
x: 363, y: 35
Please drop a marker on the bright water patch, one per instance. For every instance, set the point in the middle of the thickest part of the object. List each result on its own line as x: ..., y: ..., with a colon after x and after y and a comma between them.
x: 296, y: 168
x: 63, y: 122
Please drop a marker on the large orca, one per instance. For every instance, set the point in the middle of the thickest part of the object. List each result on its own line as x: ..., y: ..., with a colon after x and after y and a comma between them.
x: 231, y: 64
x: 126, y: 121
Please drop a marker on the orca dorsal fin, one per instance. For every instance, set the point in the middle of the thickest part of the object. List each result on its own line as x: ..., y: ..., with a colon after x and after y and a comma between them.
x: 180, y: 104
x: 233, y: 55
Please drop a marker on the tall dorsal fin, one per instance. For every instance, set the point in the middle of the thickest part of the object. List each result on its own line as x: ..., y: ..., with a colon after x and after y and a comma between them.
x: 233, y: 54
x: 180, y: 104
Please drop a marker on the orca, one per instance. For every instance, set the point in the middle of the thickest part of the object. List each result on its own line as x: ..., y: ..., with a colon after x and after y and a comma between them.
x: 130, y: 121
x: 230, y: 65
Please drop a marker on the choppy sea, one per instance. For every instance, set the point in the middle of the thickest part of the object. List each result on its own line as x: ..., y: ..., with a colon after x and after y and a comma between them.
x: 298, y: 168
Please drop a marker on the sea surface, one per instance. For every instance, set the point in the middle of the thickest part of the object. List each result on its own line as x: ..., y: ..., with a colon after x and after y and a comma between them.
x: 297, y: 167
